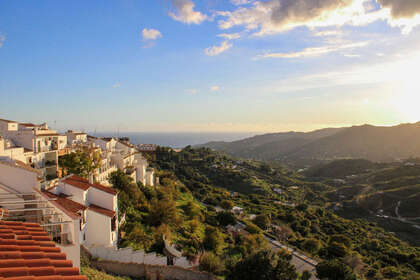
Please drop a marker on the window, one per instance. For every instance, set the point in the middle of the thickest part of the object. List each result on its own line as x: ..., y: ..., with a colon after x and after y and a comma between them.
x: 114, y: 223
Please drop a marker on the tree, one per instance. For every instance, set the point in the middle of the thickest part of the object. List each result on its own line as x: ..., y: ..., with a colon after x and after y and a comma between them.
x: 306, y: 275
x: 211, y: 263
x: 162, y: 212
x: 264, y: 265
x: 334, y: 270
x: 311, y: 245
x: 262, y: 221
x: 227, y: 205
x: 213, y: 239
x: 81, y: 163
x: 226, y: 218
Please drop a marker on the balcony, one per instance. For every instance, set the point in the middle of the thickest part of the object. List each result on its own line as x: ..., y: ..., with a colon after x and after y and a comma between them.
x: 50, y: 163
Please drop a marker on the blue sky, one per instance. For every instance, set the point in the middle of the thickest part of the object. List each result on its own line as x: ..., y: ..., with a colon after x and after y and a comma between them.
x: 185, y: 65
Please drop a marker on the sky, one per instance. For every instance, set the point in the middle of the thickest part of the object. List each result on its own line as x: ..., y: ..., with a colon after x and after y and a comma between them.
x: 209, y: 65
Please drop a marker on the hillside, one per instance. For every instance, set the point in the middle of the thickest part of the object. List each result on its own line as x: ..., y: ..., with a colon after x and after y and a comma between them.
x: 374, y: 143
x: 388, y: 194
x: 285, y: 202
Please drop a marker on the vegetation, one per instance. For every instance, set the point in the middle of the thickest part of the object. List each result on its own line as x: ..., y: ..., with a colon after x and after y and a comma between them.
x: 192, y: 206
x: 82, y: 162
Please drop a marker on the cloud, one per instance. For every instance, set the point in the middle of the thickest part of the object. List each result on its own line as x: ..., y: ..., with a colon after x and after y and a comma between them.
x: 240, y: 2
x: 116, y: 85
x: 328, y: 33
x: 191, y: 91
x: 216, y: 50
x: 315, y: 51
x: 184, y: 12
x: 402, y: 8
x: 274, y: 16
x: 151, y: 34
x: 230, y: 36
x: 214, y: 88
x: 352, y: 55
x: 2, y: 40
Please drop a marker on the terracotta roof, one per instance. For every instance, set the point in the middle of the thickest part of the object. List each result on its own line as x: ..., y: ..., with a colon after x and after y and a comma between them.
x: 68, y: 206
x: 84, y: 184
x: 27, y: 253
x: 28, y: 124
x: 48, y: 135
x: 101, y: 210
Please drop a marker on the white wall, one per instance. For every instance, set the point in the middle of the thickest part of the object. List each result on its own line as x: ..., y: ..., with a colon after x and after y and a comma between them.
x: 19, y: 179
x: 98, y: 231
x: 77, y: 194
x: 102, y: 199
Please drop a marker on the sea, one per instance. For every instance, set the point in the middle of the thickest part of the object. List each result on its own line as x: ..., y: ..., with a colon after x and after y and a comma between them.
x: 176, y: 139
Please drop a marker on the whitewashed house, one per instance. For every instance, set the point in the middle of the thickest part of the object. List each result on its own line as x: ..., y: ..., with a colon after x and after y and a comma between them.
x: 102, y: 208
x: 74, y: 137
x: 120, y: 154
x: 41, y: 145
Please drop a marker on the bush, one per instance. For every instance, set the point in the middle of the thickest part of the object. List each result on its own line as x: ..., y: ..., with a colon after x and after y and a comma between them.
x: 211, y: 263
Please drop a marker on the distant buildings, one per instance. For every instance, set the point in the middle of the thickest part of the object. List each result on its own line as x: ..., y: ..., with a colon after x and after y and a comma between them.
x: 40, y: 145
x: 71, y: 209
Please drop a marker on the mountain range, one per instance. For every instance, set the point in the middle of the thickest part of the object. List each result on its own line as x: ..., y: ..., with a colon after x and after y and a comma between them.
x: 374, y: 143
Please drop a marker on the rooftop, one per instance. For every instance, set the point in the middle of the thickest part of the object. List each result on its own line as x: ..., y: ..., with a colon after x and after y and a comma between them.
x: 101, y: 210
x: 27, y: 253
x: 68, y: 206
x: 84, y: 184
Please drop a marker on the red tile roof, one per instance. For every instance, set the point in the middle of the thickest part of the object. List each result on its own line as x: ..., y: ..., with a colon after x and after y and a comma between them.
x: 68, y: 206
x: 27, y: 253
x: 101, y: 210
x: 84, y: 184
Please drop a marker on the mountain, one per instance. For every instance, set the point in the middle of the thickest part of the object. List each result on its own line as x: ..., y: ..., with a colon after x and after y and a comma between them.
x: 375, y: 143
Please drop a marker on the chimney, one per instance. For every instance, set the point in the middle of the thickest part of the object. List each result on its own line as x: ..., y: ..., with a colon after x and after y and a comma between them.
x: 91, y: 178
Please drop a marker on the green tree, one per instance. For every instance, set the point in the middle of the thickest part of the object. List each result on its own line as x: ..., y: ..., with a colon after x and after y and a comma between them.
x: 213, y: 239
x: 211, y: 263
x: 311, y: 245
x: 262, y: 221
x: 227, y: 205
x: 264, y: 265
x: 334, y: 270
x: 81, y: 163
x: 226, y: 218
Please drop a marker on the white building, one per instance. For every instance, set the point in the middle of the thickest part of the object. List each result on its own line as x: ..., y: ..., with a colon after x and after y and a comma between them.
x: 102, y: 210
x: 41, y: 144
x: 120, y: 154
x: 74, y: 138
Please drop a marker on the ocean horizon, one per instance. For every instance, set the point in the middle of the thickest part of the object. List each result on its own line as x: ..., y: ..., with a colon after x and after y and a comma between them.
x: 176, y: 139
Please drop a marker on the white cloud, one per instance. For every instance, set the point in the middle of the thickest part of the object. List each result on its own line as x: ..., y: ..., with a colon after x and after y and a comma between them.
x: 315, y: 51
x: 2, y: 40
x: 274, y: 16
x: 191, y: 91
x: 184, y: 12
x: 230, y: 36
x: 240, y: 2
x: 328, y: 33
x: 116, y: 85
x: 352, y: 55
x: 151, y: 34
x: 214, y: 88
x: 216, y: 50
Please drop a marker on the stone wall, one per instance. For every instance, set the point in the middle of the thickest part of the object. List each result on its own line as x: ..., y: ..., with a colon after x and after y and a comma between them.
x: 151, y: 272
